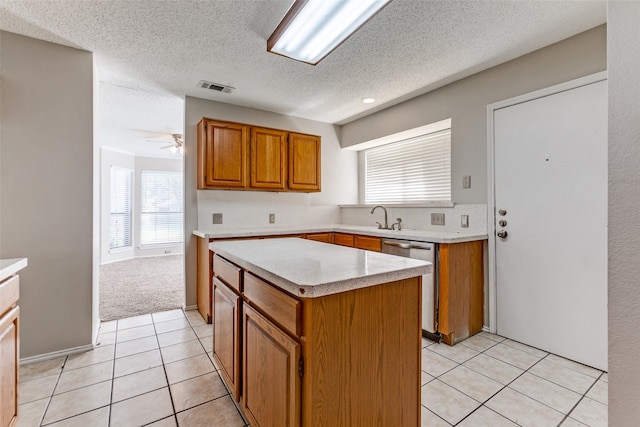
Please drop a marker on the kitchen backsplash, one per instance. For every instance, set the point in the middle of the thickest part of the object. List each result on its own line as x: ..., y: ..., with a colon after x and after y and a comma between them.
x: 419, y: 218
x: 252, y: 209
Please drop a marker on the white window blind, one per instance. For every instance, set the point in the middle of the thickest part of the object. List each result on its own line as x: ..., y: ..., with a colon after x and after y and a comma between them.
x: 121, y: 208
x: 409, y: 171
x: 161, y: 207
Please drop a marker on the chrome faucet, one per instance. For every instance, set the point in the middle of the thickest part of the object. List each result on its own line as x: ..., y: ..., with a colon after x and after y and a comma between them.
x: 386, y: 224
x: 399, y: 224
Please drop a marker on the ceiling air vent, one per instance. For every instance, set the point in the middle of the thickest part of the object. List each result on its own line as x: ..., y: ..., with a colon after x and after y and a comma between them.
x: 215, y: 86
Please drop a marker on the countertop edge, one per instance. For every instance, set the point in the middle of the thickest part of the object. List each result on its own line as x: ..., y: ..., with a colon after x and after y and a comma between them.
x: 9, y: 267
x: 431, y: 236
x: 330, y: 288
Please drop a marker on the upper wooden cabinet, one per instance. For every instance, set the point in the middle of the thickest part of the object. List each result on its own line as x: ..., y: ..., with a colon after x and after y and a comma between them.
x: 304, y: 162
x: 236, y: 156
x: 268, y: 159
x: 222, y: 155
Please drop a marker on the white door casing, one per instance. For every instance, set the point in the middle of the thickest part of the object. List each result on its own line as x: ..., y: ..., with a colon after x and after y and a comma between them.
x: 548, y: 170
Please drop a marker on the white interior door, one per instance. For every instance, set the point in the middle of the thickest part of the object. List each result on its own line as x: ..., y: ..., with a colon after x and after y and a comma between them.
x: 550, y: 176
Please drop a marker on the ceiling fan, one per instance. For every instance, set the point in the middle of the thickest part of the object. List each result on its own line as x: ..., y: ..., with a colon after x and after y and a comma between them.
x: 176, y: 145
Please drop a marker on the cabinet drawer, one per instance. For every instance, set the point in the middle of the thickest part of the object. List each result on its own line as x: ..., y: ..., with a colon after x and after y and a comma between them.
x: 321, y: 237
x: 9, y: 293
x: 282, y: 308
x: 368, y: 243
x: 343, y: 239
x: 227, y: 272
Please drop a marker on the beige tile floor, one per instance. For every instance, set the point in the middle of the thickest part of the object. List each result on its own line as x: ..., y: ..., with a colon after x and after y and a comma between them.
x: 156, y: 370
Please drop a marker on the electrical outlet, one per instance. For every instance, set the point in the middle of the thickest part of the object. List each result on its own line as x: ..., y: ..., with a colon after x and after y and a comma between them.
x: 167, y: 251
x: 437, y: 219
x: 466, y: 181
x: 464, y: 221
x: 217, y: 218
x: 272, y: 218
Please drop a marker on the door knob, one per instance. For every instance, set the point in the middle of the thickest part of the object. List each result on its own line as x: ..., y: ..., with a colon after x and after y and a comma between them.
x: 502, y: 212
x: 502, y: 234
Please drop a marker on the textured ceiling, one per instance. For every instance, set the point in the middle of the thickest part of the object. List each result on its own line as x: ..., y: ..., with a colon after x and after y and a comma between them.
x: 150, y: 53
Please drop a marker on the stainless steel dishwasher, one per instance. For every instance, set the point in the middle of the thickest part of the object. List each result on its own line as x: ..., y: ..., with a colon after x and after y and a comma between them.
x: 426, y: 252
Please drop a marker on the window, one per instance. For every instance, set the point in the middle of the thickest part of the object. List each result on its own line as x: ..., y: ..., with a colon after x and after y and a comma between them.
x: 161, y: 207
x: 120, y: 211
x: 412, y: 170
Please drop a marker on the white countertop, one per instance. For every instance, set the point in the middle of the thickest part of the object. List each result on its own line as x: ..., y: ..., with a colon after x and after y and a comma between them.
x: 311, y: 269
x: 433, y: 236
x: 9, y: 267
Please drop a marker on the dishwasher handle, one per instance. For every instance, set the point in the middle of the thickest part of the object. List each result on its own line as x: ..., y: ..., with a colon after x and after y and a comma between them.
x: 408, y: 245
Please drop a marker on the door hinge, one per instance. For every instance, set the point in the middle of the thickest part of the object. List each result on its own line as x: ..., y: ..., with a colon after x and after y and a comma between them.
x: 300, y: 367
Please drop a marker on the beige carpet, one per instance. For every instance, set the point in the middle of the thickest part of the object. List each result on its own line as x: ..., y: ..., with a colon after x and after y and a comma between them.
x: 141, y: 286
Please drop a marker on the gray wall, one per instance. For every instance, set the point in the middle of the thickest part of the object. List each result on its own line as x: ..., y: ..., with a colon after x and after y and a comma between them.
x: 624, y: 212
x: 466, y: 100
x: 46, y: 187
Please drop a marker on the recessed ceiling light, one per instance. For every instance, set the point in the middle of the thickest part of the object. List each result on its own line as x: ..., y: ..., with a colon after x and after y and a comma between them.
x: 368, y: 100
x: 311, y: 29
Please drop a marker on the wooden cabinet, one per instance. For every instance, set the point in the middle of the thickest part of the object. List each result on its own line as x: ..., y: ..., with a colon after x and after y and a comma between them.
x: 271, y: 382
x: 226, y: 339
x: 358, y: 241
x: 268, y: 159
x: 343, y: 239
x: 351, y: 358
x: 222, y: 155
x: 461, y: 294
x: 237, y: 156
x: 320, y: 237
x: 9, y: 351
x: 304, y: 162
x: 368, y: 243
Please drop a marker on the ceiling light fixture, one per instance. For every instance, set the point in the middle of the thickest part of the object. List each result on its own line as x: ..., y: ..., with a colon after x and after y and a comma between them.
x: 311, y: 29
x: 368, y: 100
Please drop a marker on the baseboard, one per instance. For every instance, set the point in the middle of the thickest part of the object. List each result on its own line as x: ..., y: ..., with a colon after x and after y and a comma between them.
x: 190, y: 307
x: 55, y: 354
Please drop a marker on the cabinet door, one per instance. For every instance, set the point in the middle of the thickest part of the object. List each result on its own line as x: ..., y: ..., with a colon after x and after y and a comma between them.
x: 268, y: 159
x: 343, y: 239
x: 368, y: 243
x: 321, y: 237
x: 226, y: 335
x: 304, y: 162
x: 271, y: 383
x: 9, y: 368
x: 222, y: 155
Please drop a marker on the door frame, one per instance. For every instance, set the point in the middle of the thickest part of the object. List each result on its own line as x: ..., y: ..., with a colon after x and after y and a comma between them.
x: 491, y: 202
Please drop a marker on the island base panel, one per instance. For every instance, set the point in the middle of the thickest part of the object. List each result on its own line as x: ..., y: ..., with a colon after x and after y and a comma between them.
x: 362, y: 357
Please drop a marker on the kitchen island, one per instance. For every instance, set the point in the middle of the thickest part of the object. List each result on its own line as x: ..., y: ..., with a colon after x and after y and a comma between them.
x: 308, y: 333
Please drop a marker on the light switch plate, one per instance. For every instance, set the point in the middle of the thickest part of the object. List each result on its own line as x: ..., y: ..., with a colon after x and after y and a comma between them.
x: 464, y: 221
x: 466, y: 181
x: 217, y: 218
x: 272, y: 218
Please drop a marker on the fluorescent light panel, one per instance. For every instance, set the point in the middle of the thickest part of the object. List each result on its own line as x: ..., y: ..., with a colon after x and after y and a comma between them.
x: 311, y: 29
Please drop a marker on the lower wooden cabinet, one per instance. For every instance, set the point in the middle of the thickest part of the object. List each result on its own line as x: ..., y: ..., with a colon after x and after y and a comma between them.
x: 461, y: 290
x: 226, y: 335
x: 271, y: 381
x: 320, y: 237
x: 9, y: 351
x: 351, y: 358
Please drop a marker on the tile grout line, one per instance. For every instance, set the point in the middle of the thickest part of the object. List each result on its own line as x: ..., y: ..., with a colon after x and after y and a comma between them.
x: 581, y: 399
x: 41, y: 423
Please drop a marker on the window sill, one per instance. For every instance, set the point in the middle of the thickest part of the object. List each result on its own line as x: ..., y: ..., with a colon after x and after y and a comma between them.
x: 441, y: 204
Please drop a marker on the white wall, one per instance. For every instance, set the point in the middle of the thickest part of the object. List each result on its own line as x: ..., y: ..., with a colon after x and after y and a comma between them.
x: 113, y: 157
x: 251, y: 208
x: 466, y: 100
x: 624, y: 212
x: 46, y: 189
